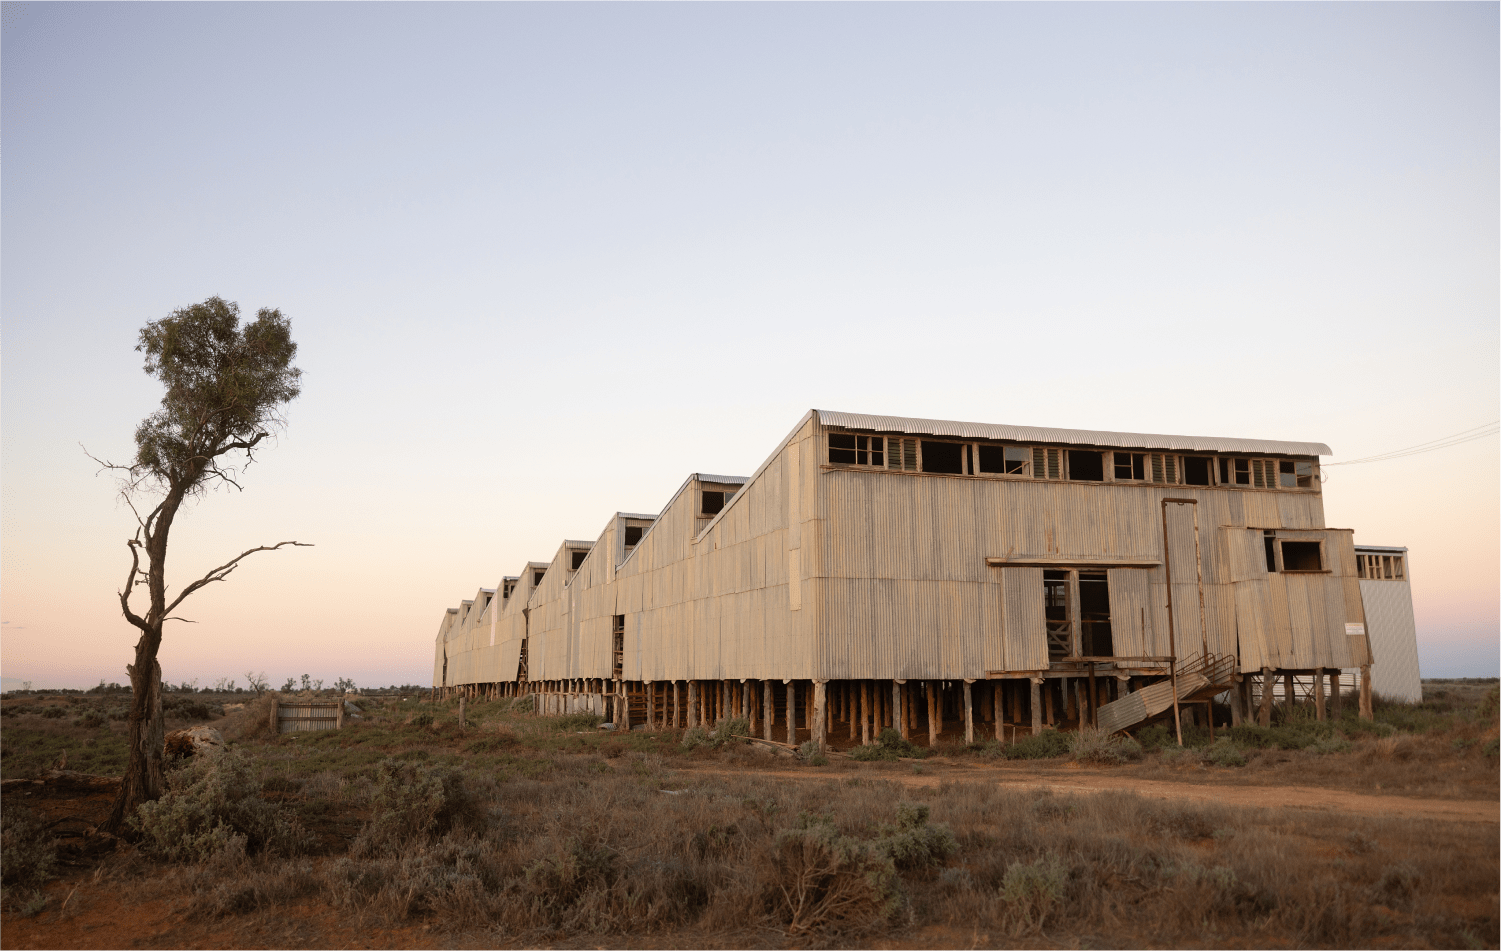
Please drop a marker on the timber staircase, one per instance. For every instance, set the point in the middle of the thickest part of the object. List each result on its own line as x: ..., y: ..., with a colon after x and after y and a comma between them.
x: 1199, y: 679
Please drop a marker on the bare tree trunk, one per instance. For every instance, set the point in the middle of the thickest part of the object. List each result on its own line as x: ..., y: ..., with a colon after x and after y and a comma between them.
x: 143, y: 780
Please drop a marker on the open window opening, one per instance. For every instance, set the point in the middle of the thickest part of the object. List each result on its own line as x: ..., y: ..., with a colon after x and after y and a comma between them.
x: 1269, y: 543
x: 1006, y: 460
x: 577, y: 559
x: 1302, y: 556
x: 1055, y: 609
x: 507, y: 586
x: 617, y: 644
x: 1086, y: 465
x: 1094, y: 615
x: 1197, y: 470
x: 537, y: 577
x: 943, y: 457
x: 633, y: 535
x: 850, y: 449
x: 1130, y: 467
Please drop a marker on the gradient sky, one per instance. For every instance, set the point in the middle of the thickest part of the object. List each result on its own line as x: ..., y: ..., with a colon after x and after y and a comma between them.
x: 543, y: 261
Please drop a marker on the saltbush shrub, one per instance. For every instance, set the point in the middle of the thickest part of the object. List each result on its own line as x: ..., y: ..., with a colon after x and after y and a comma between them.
x: 212, y: 808
x: 888, y: 746
x: 827, y: 882
x: 1032, y: 891
x: 28, y: 854
x: 412, y: 802
x: 1044, y: 745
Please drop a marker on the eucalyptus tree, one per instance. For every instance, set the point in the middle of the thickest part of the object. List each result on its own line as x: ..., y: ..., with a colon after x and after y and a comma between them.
x: 225, y: 388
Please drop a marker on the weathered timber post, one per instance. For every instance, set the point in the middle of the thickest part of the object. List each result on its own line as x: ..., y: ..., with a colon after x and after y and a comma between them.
x: 1367, y: 710
x: 851, y: 708
x: 791, y: 711
x: 1047, y: 702
x: 1289, y: 695
x: 1264, y: 717
x: 1318, y: 693
x: 462, y: 724
x: 998, y: 707
x: 1337, y: 688
x: 275, y: 715
x: 820, y: 714
x: 865, y: 713
x: 623, y: 701
x: 897, y: 720
x: 771, y: 709
x: 969, y: 713
x: 692, y: 704
x: 1237, y: 700
x: 1036, y: 699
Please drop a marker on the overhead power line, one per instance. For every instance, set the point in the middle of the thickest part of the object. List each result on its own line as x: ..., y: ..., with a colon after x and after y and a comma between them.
x: 1443, y: 442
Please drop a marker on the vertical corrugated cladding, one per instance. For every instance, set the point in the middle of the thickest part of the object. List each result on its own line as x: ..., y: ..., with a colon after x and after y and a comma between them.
x: 1392, y: 632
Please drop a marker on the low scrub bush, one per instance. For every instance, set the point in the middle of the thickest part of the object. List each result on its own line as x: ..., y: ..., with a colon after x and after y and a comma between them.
x: 888, y: 746
x: 91, y: 720
x: 413, y: 802
x: 1224, y: 752
x: 1044, y: 745
x: 1033, y: 891
x: 725, y: 731
x: 1095, y: 746
x: 212, y: 809
x: 574, y: 722
x: 52, y: 713
x: 911, y: 842
x: 28, y: 856
x: 828, y: 882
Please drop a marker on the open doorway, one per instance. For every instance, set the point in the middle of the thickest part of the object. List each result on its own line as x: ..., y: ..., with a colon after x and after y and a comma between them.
x: 1094, y: 614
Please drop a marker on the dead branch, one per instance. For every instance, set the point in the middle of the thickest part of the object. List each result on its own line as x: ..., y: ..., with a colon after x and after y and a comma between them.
x: 224, y: 570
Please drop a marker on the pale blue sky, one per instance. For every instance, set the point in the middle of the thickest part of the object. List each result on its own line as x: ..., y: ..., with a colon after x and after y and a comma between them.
x: 545, y: 260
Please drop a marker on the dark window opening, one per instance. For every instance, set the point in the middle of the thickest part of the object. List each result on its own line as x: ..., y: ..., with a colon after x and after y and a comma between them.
x: 713, y: 503
x: 617, y: 637
x: 537, y: 577
x: 632, y: 535
x: 1242, y: 471
x: 1287, y: 473
x: 1269, y: 542
x: 850, y: 449
x: 1008, y: 460
x: 1094, y: 614
x: 1086, y: 465
x: 1224, y: 472
x: 943, y: 457
x: 1055, y: 610
x: 1196, y: 470
x: 1305, y: 475
x: 1130, y: 465
x: 578, y: 559
x: 1301, y: 556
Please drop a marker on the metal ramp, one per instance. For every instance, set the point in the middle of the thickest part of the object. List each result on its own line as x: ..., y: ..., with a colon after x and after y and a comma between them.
x: 1199, y: 679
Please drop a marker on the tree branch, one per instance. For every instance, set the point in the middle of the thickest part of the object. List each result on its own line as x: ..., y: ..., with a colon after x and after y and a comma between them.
x: 135, y: 568
x: 222, y: 572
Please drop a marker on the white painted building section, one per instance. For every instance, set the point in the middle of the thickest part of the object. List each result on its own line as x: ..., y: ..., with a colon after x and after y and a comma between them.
x: 1386, y: 592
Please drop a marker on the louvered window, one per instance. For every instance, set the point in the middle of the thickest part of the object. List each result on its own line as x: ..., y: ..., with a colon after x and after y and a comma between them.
x: 1263, y: 474
x: 901, y: 454
x: 1047, y: 463
x: 1164, y: 468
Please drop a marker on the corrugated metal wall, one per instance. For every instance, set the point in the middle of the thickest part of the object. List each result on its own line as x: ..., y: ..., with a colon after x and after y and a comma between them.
x: 1393, y: 633
x: 892, y: 580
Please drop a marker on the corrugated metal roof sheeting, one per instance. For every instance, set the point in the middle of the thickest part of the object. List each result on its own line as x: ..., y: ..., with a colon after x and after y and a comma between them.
x: 706, y: 477
x: 1080, y: 437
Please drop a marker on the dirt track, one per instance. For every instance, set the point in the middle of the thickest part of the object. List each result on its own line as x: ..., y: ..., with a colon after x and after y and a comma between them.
x: 1310, y: 798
